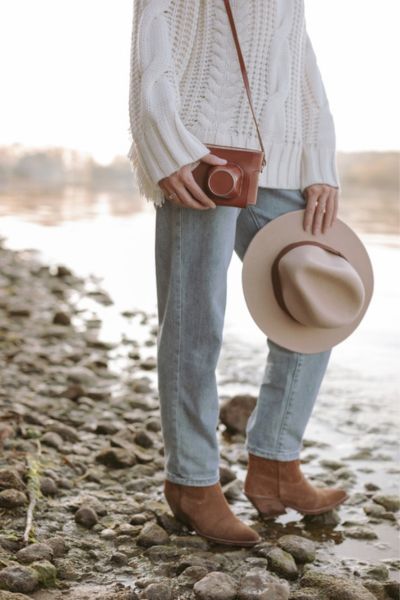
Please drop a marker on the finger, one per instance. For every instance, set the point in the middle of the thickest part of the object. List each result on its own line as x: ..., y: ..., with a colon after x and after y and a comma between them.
x: 319, y: 212
x: 167, y: 189
x: 187, y: 199
x: 309, y: 210
x: 329, y: 208
x: 336, y: 207
x: 196, y: 191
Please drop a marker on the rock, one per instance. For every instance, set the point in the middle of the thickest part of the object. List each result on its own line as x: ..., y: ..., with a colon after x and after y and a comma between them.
x: 10, y: 478
x: 11, y: 498
x: 361, y: 532
x: 47, y: 572
x: 328, y: 518
x: 67, y: 433
x: 61, y: 318
x: 194, y: 573
x: 392, y: 588
x: 119, y: 558
x: 48, y: 486
x: 306, y: 594
x: 142, y: 438
x: 152, y: 535
x: 376, y: 588
x: 81, y: 375
x: 58, y: 545
x: 86, y: 516
x: 333, y: 588
x: 158, y: 591
x: 258, y: 584
x: 116, y: 458
x: 374, y: 510
x: 74, y: 391
x: 149, y: 363
x: 282, y: 563
x: 216, y: 586
x: 38, y: 551
x: 379, y: 572
x: 226, y: 475
x: 235, y: 412
x: 19, y: 579
x: 302, y: 549
x: 11, y: 596
x: 51, y: 438
x: 391, y: 503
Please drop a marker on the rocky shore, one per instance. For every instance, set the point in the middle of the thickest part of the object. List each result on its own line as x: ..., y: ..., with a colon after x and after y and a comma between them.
x: 82, y: 514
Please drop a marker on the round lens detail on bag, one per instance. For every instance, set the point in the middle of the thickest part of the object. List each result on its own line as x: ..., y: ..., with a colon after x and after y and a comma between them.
x: 225, y: 181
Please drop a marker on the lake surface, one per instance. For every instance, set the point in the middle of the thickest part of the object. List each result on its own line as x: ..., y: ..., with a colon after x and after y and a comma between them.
x: 111, y: 237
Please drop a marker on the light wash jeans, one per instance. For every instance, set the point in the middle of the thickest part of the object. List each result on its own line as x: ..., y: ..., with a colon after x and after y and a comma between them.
x: 193, y: 249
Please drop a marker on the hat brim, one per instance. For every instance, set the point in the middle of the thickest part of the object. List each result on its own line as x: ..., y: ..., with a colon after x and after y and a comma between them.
x: 259, y: 296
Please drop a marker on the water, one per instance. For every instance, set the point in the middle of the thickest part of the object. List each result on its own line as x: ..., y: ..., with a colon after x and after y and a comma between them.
x: 111, y: 237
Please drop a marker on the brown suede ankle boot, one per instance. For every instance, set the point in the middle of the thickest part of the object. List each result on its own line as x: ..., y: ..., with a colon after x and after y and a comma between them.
x: 206, y: 510
x: 273, y: 485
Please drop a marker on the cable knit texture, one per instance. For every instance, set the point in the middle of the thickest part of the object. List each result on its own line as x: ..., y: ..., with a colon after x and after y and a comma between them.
x: 186, y: 91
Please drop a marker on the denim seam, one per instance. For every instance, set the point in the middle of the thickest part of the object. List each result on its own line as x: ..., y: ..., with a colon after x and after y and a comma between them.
x: 253, y: 215
x: 273, y: 453
x: 177, y: 407
x: 289, y: 402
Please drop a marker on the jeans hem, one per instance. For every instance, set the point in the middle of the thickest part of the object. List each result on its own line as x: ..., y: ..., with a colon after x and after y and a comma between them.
x: 273, y: 454
x: 188, y: 481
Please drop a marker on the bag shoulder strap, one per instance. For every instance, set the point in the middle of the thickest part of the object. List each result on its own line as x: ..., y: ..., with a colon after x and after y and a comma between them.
x: 243, y: 70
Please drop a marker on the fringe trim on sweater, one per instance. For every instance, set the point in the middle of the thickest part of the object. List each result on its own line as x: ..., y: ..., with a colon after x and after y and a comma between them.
x: 150, y: 191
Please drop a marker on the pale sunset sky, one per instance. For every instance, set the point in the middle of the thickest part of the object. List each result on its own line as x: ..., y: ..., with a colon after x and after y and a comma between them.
x: 64, y: 67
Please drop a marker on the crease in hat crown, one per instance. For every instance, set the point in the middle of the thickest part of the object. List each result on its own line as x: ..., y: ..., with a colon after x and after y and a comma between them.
x: 319, y: 287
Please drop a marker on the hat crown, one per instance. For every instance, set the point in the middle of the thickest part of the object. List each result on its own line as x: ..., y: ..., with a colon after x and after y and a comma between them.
x: 319, y: 288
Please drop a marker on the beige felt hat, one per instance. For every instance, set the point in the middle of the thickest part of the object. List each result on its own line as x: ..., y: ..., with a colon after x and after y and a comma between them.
x: 307, y: 292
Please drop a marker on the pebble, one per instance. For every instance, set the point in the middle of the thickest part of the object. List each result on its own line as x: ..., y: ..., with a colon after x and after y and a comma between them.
x: 48, y: 486
x: 19, y: 579
x: 86, y: 516
x: 158, y: 591
x: 235, y: 412
x: 152, y: 535
x: 391, y: 503
x: 379, y: 572
x: 259, y: 584
x: 302, y: 549
x: 116, y: 458
x: 216, y: 586
x: 51, y: 438
x: 38, y: 551
x: 282, y: 563
x: 11, y: 498
x: 332, y: 587
x: 46, y: 572
x: 361, y: 532
x: 10, y: 478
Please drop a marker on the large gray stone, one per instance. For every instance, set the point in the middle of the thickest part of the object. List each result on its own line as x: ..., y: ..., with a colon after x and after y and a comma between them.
x: 216, y: 586
x: 333, y: 587
x: 18, y: 579
x: 259, y: 584
x: 301, y: 548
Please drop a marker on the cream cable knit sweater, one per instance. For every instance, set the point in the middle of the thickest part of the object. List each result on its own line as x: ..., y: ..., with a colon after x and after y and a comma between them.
x: 186, y: 90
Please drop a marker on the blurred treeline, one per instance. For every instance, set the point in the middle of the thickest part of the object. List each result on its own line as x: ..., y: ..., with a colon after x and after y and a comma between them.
x: 60, y: 166
x: 369, y: 180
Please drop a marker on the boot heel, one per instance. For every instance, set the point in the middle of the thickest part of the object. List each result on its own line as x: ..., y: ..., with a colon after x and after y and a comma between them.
x: 267, y: 507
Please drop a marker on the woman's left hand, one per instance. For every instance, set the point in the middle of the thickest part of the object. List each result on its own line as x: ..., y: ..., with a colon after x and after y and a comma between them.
x: 321, y: 208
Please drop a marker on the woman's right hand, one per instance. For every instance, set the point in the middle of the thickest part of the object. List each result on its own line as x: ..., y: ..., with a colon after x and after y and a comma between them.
x: 187, y: 192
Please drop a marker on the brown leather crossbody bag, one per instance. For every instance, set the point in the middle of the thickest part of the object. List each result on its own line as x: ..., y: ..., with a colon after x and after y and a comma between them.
x: 236, y: 182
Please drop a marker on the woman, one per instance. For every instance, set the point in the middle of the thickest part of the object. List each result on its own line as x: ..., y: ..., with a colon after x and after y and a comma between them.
x: 186, y: 91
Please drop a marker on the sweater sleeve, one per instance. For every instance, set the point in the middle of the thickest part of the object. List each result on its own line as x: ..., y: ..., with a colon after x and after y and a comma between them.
x: 161, y: 144
x: 318, y: 161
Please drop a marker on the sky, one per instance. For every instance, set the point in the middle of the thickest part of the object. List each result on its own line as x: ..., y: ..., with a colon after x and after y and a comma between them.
x: 64, y: 70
